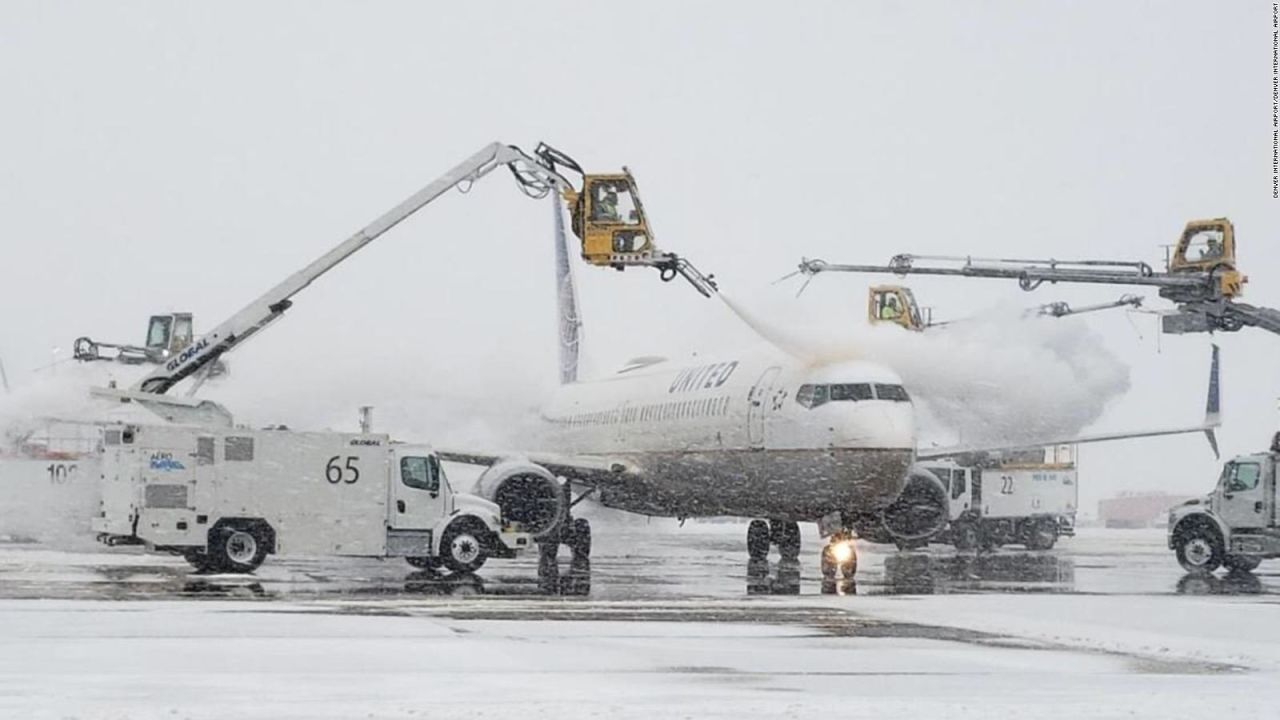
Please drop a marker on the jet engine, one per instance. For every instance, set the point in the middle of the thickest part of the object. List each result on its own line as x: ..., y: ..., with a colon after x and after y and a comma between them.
x: 921, y: 509
x: 527, y: 494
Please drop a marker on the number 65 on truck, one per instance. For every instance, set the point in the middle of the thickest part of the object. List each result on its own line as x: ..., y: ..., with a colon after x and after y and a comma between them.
x: 224, y: 499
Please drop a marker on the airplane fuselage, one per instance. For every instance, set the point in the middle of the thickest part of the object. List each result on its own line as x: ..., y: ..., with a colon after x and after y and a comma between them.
x: 731, y: 436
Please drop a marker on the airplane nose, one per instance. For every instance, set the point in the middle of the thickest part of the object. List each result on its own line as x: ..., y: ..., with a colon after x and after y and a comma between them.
x: 878, y: 425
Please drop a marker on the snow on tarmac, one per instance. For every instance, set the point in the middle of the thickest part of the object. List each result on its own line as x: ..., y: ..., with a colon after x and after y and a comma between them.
x: 667, y: 631
x: 404, y: 659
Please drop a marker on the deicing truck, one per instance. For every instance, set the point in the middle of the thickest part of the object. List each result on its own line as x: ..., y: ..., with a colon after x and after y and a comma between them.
x: 225, y: 499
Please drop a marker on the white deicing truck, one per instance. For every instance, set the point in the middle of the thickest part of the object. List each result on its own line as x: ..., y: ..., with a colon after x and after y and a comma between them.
x: 226, y: 498
x: 1026, y: 497
x: 1236, y: 525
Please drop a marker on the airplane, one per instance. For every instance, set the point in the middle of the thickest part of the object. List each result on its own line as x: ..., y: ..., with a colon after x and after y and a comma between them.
x: 764, y: 434
x: 741, y: 434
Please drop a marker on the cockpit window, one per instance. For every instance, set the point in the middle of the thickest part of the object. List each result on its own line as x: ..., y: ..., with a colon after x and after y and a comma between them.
x: 851, y: 391
x: 895, y: 393
x: 811, y: 396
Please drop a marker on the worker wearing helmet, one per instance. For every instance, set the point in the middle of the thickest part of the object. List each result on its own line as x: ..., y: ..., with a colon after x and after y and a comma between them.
x: 1212, y: 248
x: 606, y: 208
x: 889, y: 310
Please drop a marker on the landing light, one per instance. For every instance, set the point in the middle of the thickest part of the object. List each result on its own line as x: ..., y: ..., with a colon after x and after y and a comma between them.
x: 842, y: 552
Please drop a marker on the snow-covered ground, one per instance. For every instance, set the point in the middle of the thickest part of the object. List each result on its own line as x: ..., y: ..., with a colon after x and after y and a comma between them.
x: 328, y: 659
x: 668, y: 631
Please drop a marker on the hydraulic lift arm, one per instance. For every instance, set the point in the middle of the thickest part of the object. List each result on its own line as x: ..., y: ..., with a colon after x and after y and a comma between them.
x: 538, y: 175
x: 1200, y: 278
x: 1062, y: 309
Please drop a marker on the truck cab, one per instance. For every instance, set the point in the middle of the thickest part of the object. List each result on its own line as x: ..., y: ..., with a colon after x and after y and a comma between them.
x: 1026, y: 497
x: 958, y: 482
x: 1233, y: 526
x: 609, y: 219
x: 168, y: 334
x: 895, y: 304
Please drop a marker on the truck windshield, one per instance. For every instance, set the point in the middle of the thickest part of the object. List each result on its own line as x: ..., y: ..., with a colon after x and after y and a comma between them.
x: 1244, y: 476
x: 158, y: 332
x: 612, y: 202
x: 420, y: 473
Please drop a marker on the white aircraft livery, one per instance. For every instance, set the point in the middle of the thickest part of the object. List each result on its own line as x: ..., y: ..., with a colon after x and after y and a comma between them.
x: 762, y: 435
x: 753, y: 436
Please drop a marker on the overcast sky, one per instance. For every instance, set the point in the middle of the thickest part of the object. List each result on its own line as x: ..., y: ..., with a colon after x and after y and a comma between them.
x: 174, y: 156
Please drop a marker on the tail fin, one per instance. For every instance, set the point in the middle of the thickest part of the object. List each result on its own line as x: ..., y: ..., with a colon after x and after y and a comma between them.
x: 570, y: 322
x: 1213, y: 404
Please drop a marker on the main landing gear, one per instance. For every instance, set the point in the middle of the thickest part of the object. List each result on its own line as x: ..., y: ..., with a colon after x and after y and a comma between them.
x: 786, y: 536
x: 574, y: 533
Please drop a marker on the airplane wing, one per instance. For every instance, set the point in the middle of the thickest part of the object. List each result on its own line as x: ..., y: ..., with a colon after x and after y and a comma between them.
x: 581, y: 469
x: 1212, y: 420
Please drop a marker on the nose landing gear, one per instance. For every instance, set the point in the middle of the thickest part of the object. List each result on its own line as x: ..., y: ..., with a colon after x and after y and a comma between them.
x: 839, y: 563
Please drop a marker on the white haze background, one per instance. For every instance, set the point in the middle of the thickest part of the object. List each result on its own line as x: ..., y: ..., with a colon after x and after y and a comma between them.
x: 176, y: 157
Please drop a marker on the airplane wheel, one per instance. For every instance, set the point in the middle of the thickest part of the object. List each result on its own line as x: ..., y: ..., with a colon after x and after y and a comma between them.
x: 788, y: 539
x: 580, y: 538
x: 548, y: 567
x: 758, y: 540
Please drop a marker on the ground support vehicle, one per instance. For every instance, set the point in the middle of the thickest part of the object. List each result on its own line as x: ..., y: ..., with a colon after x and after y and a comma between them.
x: 226, y: 498
x: 1029, y: 498
x: 1235, y: 525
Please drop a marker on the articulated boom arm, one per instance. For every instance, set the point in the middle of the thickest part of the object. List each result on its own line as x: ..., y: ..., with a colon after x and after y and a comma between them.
x: 267, y: 308
x: 537, y: 175
x: 1221, y: 315
x: 1030, y: 274
x: 1201, y: 278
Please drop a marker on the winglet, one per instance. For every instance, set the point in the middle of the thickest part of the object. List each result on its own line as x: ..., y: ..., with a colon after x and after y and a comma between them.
x: 1213, y: 404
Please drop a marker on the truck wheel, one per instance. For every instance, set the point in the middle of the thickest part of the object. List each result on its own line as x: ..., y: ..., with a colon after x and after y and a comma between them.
x: 1042, y: 535
x: 1199, y: 550
x: 463, y: 547
x: 964, y: 536
x: 237, y: 549
x: 1241, y: 563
